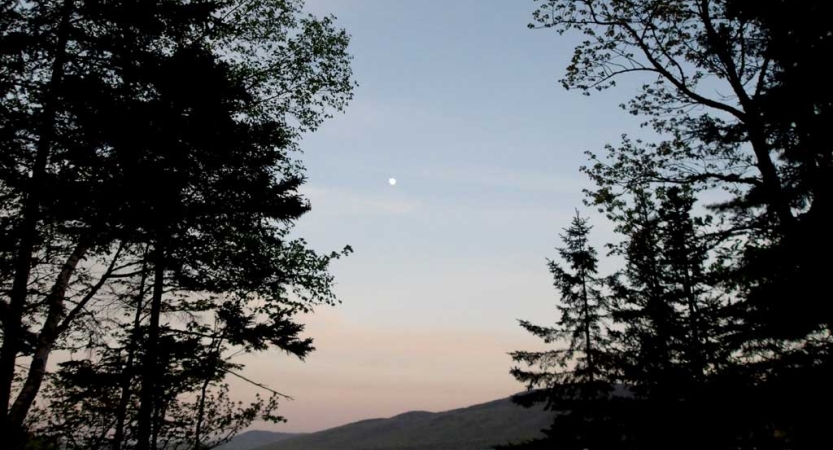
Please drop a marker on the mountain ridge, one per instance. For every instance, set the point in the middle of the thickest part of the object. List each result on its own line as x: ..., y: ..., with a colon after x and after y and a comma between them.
x: 255, y: 438
x: 474, y: 427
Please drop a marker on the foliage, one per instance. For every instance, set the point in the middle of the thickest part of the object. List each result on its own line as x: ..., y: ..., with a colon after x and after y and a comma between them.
x: 579, y: 375
x: 716, y: 319
x: 83, y: 400
x: 149, y: 183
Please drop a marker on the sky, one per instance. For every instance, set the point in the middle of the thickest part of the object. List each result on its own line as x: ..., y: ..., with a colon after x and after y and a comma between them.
x: 460, y: 102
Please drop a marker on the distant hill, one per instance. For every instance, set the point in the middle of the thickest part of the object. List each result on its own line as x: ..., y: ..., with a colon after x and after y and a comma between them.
x: 474, y: 428
x: 254, y: 439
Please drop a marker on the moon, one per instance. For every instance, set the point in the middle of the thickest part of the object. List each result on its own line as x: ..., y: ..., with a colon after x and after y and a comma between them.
x: 392, y: 181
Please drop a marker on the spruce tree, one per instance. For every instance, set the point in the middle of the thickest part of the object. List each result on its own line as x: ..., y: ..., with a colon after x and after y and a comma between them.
x: 671, y: 315
x: 574, y: 380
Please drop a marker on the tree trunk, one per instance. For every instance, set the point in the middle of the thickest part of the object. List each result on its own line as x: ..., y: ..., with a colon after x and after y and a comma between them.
x: 127, y: 375
x: 12, y: 324
x: 588, y: 347
x: 201, y: 415
x: 46, y: 338
x: 212, y: 364
x: 698, y: 369
x: 777, y: 201
x: 149, y: 366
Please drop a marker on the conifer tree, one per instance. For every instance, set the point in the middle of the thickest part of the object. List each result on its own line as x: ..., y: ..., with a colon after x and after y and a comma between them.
x: 671, y: 315
x: 573, y: 380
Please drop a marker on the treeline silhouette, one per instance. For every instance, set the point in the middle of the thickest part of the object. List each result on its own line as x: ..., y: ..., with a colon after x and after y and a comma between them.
x: 716, y: 331
x: 149, y: 186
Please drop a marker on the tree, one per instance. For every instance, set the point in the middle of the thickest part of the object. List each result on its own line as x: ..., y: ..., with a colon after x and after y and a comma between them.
x: 584, y: 371
x: 672, y: 316
x: 642, y: 304
x: 199, y: 174
x: 59, y: 172
x: 749, y: 142
x: 731, y: 90
x: 193, y: 409
x: 666, y: 296
x: 797, y: 108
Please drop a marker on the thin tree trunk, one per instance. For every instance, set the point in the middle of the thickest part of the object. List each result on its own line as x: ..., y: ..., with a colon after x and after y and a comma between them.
x: 158, y: 412
x: 12, y: 323
x: 201, y: 415
x: 127, y: 375
x: 588, y: 347
x: 698, y: 362
x: 150, y: 369
x: 655, y: 305
x: 46, y: 338
x: 201, y: 408
x: 54, y: 327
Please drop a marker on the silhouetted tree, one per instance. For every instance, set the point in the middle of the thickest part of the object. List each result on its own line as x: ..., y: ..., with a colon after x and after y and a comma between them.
x: 672, y: 317
x: 765, y: 320
x: 192, y: 410
x: 759, y: 143
x: 576, y: 379
x: 159, y: 133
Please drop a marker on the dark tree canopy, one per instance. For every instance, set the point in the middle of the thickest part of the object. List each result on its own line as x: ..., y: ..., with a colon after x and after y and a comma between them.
x: 758, y: 140
x: 720, y: 325
x: 148, y: 174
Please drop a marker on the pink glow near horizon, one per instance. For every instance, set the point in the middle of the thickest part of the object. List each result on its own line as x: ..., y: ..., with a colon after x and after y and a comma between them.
x: 360, y: 373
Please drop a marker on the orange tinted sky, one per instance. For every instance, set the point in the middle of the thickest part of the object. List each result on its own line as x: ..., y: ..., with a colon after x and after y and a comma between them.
x: 361, y: 372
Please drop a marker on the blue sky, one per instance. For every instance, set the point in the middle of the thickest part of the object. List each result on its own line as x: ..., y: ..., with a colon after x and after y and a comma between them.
x: 460, y: 102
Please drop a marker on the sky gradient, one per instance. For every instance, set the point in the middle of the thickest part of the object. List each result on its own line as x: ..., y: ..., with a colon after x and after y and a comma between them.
x: 460, y: 102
